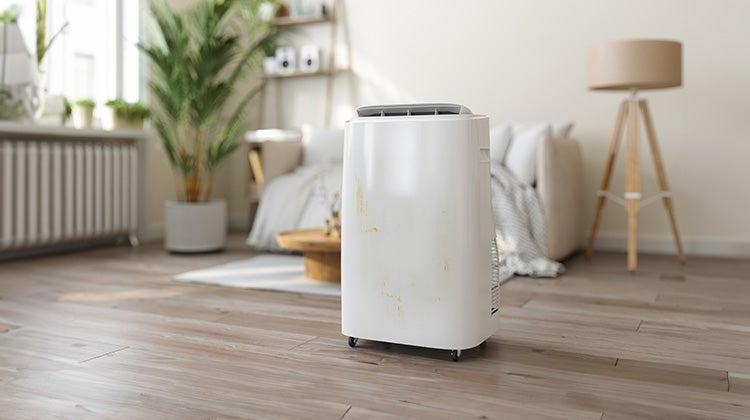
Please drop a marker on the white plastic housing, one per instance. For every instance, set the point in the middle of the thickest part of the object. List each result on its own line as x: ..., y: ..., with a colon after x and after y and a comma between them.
x: 417, y: 229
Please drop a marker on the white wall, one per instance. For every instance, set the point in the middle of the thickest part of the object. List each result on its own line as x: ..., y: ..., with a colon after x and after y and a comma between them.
x: 524, y: 60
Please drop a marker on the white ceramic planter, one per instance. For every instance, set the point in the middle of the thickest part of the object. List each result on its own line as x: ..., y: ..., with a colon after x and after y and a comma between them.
x: 83, y: 116
x: 195, y: 227
x: 111, y: 121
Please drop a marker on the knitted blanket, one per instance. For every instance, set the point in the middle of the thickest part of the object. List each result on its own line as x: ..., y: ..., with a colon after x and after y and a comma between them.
x: 519, y: 228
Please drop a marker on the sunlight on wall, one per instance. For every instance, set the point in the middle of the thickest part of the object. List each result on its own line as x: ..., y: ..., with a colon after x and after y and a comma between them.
x: 525, y: 61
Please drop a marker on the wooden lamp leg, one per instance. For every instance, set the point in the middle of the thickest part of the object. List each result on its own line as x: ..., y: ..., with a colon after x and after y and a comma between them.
x: 663, y: 185
x: 633, y: 183
x: 609, y: 167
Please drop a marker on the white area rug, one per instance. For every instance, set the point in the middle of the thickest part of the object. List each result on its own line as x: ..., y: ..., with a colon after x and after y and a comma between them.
x: 284, y: 273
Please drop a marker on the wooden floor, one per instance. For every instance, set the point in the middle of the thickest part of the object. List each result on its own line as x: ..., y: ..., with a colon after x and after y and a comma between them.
x: 106, y: 334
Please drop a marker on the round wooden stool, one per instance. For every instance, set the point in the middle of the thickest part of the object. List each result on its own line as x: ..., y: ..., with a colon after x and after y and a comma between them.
x: 322, y: 253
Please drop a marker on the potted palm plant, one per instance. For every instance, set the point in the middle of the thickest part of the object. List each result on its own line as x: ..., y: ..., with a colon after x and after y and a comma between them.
x: 201, y: 57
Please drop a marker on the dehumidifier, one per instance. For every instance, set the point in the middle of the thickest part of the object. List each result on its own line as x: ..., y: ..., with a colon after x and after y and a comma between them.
x: 417, y: 242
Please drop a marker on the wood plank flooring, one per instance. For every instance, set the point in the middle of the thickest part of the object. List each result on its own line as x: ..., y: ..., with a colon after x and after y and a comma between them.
x: 106, y: 334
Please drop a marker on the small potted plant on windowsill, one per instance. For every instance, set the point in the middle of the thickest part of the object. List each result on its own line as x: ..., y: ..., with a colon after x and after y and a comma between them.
x: 119, y: 114
x: 68, y: 110
x: 83, y: 113
x: 269, y: 57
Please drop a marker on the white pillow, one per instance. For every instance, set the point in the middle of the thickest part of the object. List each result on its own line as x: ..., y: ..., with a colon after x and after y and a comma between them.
x: 322, y: 145
x: 521, y: 157
x: 500, y: 136
x: 562, y: 130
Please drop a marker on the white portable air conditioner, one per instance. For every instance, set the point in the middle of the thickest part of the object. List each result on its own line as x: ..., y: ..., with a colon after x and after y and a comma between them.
x: 417, y: 262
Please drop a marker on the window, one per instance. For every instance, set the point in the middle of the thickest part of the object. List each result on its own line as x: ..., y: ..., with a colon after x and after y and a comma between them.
x: 96, y: 55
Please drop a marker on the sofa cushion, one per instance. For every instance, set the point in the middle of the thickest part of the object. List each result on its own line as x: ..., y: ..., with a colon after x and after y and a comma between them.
x: 322, y: 145
x: 562, y: 130
x: 500, y: 136
x: 521, y: 156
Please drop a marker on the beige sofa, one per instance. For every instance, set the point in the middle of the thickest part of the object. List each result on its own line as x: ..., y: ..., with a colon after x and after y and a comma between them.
x: 559, y: 182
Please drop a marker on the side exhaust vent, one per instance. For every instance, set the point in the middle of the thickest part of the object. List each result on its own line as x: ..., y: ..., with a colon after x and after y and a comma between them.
x: 495, y: 278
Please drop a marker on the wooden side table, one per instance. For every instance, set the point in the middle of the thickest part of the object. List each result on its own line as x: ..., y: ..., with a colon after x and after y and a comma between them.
x: 322, y: 253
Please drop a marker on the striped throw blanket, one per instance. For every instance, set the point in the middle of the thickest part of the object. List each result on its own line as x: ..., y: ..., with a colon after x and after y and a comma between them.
x: 519, y: 228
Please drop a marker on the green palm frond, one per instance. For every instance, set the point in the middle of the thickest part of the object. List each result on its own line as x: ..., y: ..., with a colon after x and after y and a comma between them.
x: 237, y: 114
x: 223, y: 147
x: 200, y: 57
x: 168, y: 141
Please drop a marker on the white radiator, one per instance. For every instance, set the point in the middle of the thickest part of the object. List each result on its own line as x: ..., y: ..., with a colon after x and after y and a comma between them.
x: 61, y: 189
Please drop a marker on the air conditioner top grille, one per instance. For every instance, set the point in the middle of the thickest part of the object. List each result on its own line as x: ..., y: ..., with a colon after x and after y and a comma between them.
x: 411, y: 109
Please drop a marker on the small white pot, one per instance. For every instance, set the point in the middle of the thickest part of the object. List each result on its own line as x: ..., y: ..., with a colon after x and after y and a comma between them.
x: 195, y: 227
x: 108, y: 118
x: 83, y: 116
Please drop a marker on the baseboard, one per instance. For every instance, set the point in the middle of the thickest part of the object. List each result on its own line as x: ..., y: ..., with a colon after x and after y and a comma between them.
x: 64, y: 248
x: 654, y: 244
x: 151, y: 234
x: 697, y: 246
x: 239, y: 225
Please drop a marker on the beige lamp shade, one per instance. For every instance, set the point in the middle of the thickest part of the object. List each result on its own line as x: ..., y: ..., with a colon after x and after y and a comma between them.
x: 635, y: 64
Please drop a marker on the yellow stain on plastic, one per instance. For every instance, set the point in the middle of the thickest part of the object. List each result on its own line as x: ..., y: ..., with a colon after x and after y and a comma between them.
x: 397, y: 299
x: 372, y: 229
x: 361, y: 203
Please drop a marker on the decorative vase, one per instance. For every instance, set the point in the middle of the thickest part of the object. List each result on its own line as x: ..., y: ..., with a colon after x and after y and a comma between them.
x: 195, y: 227
x: 38, y: 95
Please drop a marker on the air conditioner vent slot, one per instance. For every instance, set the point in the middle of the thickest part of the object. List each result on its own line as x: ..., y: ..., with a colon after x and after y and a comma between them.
x: 411, y: 110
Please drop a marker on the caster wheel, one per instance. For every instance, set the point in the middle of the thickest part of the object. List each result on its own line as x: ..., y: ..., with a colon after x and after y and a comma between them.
x: 455, y: 355
x: 353, y: 341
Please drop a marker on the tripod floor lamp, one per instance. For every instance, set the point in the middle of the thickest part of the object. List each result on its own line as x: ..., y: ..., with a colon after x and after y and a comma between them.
x: 634, y: 65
